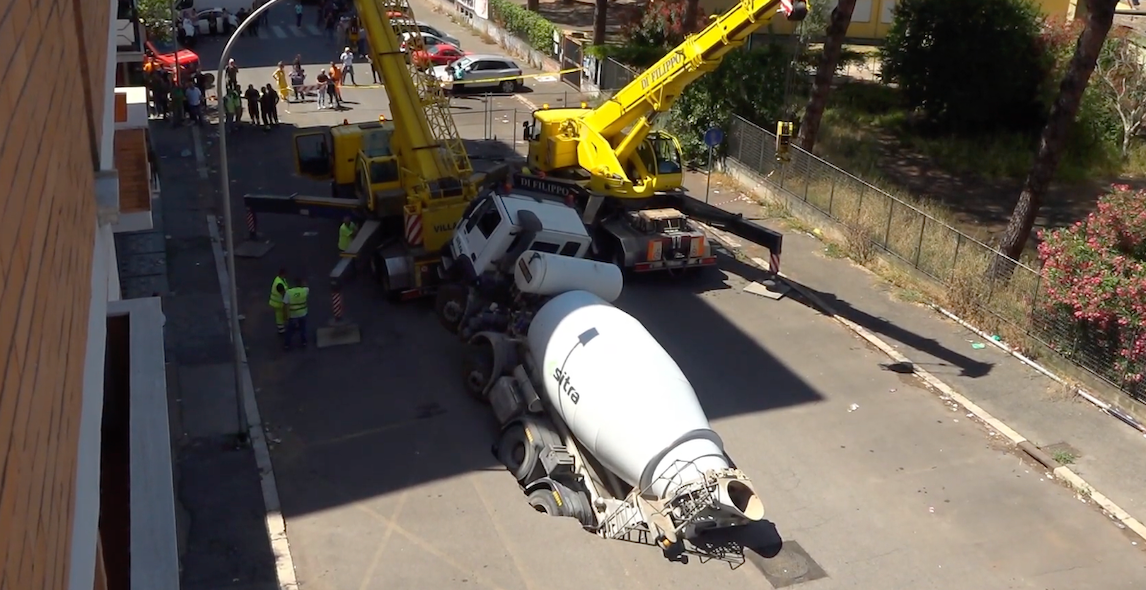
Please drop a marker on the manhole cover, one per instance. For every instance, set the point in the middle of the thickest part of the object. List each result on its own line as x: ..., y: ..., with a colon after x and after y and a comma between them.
x: 791, y: 566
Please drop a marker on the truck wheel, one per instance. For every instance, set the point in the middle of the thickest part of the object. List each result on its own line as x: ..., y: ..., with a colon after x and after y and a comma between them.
x: 543, y: 501
x: 477, y: 370
x: 518, y: 455
x: 450, y: 305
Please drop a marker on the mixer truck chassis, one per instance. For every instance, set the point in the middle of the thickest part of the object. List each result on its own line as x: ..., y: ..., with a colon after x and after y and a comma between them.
x: 558, y: 476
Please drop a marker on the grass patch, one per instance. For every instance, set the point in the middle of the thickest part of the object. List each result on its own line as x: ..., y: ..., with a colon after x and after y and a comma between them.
x: 862, y: 118
x: 1064, y: 457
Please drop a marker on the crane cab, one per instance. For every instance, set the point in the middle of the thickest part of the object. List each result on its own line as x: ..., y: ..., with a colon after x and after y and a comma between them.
x: 657, y: 164
x: 552, y: 138
x: 359, y: 159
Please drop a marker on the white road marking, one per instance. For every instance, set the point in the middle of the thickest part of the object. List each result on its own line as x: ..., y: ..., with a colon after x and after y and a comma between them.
x: 279, y: 32
x: 297, y: 32
x: 313, y: 30
x: 263, y: 34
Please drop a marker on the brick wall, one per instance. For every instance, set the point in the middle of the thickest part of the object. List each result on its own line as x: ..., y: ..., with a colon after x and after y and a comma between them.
x: 51, y: 82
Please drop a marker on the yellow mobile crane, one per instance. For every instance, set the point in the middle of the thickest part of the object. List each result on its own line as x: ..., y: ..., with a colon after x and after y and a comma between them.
x: 635, y: 210
x: 409, y: 178
x: 614, y: 143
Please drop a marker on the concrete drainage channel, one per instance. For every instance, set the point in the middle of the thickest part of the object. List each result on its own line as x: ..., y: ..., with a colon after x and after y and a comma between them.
x: 1046, y: 458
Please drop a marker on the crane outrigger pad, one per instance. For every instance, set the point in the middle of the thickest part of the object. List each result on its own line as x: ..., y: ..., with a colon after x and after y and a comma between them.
x: 253, y: 249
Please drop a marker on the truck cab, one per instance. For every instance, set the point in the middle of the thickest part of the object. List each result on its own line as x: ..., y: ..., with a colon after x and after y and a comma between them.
x: 359, y: 160
x: 501, y: 225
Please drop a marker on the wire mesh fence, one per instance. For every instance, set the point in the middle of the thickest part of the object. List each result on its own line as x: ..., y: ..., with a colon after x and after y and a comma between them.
x: 1017, y: 308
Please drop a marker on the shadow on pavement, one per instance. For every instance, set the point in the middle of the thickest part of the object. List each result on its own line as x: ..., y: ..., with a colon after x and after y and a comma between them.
x: 967, y: 366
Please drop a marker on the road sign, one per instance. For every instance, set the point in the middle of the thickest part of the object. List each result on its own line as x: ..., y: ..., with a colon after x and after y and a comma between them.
x: 713, y: 137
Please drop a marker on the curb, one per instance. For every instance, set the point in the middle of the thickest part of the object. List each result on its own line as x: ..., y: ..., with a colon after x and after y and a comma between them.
x: 275, y: 523
x: 1062, y: 473
x: 1105, y: 407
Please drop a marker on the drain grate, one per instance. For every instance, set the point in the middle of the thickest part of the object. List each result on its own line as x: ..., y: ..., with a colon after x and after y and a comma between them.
x: 788, y: 567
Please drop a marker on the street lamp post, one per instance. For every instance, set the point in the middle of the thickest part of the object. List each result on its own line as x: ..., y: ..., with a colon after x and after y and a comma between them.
x: 228, y: 223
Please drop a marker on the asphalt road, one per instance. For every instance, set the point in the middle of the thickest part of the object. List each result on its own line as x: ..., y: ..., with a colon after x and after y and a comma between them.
x: 387, y: 480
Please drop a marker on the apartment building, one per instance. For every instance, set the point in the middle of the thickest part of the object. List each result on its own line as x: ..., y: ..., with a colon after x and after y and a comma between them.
x: 82, y: 389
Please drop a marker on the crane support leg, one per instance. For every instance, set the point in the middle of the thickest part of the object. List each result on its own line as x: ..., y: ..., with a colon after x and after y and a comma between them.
x: 327, y: 207
x: 733, y: 223
x: 339, y: 330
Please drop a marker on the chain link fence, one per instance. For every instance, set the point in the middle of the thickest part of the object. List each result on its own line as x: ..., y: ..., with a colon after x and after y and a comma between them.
x: 873, y: 220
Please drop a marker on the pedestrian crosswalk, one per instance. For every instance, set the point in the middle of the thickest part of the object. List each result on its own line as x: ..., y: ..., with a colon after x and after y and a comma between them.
x: 289, y: 32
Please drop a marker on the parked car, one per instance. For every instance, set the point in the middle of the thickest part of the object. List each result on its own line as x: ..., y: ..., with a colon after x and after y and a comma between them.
x: 214, y: 21
x: 428, y: 29
x: 441, y: 54
x: 480, y: 71
x: 164, y: 53
x: 428, y: 40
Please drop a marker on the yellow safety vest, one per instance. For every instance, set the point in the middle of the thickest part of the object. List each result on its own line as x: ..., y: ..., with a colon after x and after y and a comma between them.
x: 297, y: 297
x: 276, y: 297
x: 345, y: 233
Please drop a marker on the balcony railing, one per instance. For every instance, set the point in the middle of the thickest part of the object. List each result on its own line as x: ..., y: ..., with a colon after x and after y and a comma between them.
x: 128, y: 33
x: 128, y: 36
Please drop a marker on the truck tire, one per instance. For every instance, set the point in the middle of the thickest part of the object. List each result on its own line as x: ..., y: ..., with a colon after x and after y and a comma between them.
x: 518, y: 454
x: 477, y: 370
x: 450, y: 305
x: 542, y: 500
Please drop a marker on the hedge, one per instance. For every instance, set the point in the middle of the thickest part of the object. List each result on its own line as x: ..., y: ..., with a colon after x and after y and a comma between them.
x: 521, y: 22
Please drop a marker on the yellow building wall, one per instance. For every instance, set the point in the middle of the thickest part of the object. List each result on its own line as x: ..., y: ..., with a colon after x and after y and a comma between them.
x: 871, y: 18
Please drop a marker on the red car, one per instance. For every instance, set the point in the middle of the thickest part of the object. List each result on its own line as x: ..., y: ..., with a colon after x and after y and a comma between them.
x: 438, y: 55
x: 165, y: 55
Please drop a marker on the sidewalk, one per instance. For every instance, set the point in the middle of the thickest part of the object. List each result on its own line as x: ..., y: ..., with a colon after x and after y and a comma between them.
x: 223, y: 540
x: 1109, y: 455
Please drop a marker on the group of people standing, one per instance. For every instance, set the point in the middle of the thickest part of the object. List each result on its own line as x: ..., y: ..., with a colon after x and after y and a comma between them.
x: 178, y: 98
x: 262, y: 102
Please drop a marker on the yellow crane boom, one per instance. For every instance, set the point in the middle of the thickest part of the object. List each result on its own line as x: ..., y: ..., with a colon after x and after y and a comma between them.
x: 612, y: 141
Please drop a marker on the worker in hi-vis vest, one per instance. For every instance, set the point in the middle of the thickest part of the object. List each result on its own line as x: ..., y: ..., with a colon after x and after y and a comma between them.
x: 346, y: 233
x: 295, y: 302
x: 279, y: 287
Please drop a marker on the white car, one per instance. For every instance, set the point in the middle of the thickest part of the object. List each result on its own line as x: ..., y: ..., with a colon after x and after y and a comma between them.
x: 428, y: 40
x: 481, y: 71
x: 427, y: 29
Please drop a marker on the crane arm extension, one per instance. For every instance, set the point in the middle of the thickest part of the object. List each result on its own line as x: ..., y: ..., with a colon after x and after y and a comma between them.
x: 658, y: 87
x: 405, y: 106
x: 733, y: 223
x: 322, y: 207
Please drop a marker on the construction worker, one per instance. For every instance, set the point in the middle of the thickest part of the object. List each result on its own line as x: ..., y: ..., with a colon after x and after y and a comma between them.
x: 279, y: 288
x: 295, y: 301
x: 346, y: 233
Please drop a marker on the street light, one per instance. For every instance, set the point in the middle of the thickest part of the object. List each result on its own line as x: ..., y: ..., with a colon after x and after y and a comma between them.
x: 228, y: 224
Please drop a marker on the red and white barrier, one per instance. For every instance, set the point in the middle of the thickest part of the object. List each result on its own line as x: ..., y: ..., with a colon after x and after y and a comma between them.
x: 414, y: 230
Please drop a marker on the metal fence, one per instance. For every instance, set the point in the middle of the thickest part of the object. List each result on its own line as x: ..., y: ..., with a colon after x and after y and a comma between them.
x: 614, y: 75
x: 874, y: 220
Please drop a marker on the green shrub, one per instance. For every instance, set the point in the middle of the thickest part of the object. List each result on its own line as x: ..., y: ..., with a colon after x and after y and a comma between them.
x: 749, y: 83
x: 969, y: 65
x: 523, y: 23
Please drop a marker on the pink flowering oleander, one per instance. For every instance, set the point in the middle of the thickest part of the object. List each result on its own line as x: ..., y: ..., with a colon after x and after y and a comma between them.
x: 1096, y: 269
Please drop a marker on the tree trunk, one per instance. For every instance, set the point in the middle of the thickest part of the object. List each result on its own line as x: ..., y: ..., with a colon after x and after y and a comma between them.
x: 600, y: 21
x: 825, y: 73
x: 532, y: 5
x: 691, y: 10
x: 1100, y: 16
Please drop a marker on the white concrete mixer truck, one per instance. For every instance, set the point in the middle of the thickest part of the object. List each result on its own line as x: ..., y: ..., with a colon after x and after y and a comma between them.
x: 598, y: 422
